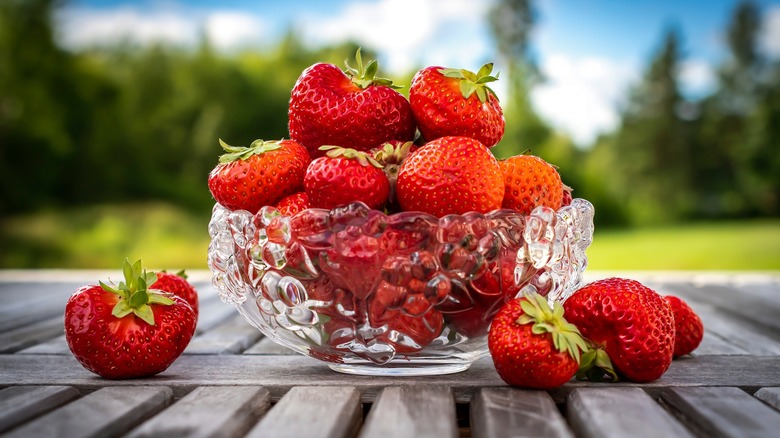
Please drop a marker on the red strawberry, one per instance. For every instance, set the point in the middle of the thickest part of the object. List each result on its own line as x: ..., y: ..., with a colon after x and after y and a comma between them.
x: 262, y: 174
x: 450, y: 175
x: 452, y: 102
x: 688, y: 328
x: 627, y: 320
x: 530, y: 182
x: 293, y: 204
x: 532, y: 345
x: 127, y: 331
x: 344, y: 176
x: 567, y: 196
x: 178, y: 285
x: 410, y: 323
x: 356, y: 110
x: 390, y: 155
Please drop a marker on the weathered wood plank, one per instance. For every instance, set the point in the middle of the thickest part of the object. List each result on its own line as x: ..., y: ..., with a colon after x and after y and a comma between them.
x: 752, y: 309
x: 31, y: 334
x: 405, y: 411
x: 728, y: 335
x: 212, y: 312
x: 501, y: 412
x: 279, y: 373
x: 620, y: 412
x: 209, y: 411
x: 231, y: 337
x: 110, y: 411
x: 266, y: 346
x: 56, y: 345
x: 313, y: 412
x: 21, y: 403
x: 723, y: 411
x: 770, y: 396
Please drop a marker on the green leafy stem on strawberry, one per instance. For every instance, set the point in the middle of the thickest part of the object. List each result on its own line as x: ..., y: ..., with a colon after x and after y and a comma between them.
x: 365, y: 75
x: 134, y: 293
x: 471, y: 82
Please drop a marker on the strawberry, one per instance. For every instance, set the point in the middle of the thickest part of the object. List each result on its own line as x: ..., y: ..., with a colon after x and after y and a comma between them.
x: 410, y: 324
x: 530, y: 182
x: 450, y: 175
x: 390, y: 155
x: 292, y: 204
x: 567, y: 196
x: 344, y: 176
x: 356, y: 110
x: 532, y: 345
x: 630, y: 326
x: 262, y: 174
x: 129, y: 330
x: 178, y: 285
x: 451, y: 102
x: 688, y: 328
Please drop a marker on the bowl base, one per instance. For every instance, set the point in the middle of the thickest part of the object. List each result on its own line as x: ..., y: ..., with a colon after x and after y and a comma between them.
x: 399, y: 370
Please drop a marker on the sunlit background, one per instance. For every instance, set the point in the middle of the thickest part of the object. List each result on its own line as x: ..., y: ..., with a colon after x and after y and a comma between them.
x: 665, y: 114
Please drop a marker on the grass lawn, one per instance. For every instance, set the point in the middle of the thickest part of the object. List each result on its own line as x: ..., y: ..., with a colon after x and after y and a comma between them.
x: 738, y: 245
x: 165, y: 237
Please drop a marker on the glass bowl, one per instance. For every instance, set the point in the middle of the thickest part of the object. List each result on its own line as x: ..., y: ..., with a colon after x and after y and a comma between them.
x: 399, y: 294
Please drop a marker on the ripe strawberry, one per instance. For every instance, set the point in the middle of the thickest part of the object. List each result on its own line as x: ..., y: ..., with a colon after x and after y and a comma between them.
x: 452, y: 102
x: 530, y: 182
x: 356, y: 110
x: 410, y: 324
x: 292, y: 204
x: 567, y: 196
x: 532, y: 345
x: 450, y: 175
x: 390, y: 155
x: 344, y: 176
x: 178, y: 285
x: 688, y: 328
x: 127, y: 331
x: 629, y: 322
x: 262, y: 174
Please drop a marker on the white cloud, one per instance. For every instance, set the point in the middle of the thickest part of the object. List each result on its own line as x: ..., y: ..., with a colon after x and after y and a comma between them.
x: 83, y: 27
x: 582, y: 94
x: 405, y: 31
x: 770, y: 36
x: 696, y: 77
x: 228, y: 30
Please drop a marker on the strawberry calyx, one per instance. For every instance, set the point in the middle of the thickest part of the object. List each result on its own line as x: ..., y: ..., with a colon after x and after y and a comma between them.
x: 566, y: 337
x: 596, y: 366
x: 134, y: 294
x: 363, y: 158
x: 365, y: 76
x: 471, y: 82
x: 236, y: 153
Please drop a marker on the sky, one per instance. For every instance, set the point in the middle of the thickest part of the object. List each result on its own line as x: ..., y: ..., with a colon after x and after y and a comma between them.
x: 590, y: 51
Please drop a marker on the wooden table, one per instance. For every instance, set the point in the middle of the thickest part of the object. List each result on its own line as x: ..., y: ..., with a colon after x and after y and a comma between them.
x: 233, y: 382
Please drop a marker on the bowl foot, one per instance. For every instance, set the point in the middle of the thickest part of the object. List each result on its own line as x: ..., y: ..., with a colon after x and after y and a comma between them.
x: 396, y: 369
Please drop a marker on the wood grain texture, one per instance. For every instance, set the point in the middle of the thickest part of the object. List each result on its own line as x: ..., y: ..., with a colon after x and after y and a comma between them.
x: 21, y: 403
x: 110, y: 411
x: 31, y: 334
x: 313, y: 412
x: 56, y: 345
x: 620, y: 412
x: 770, y: 396
x: 503, y: 412
x: 231, y: 337
x: 266, y: 346
x: 412, y: 411
x: 723, y: 411
x: 209, y: 411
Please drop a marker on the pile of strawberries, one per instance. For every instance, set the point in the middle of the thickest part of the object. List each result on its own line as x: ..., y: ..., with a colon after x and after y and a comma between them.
x: 353, y: 137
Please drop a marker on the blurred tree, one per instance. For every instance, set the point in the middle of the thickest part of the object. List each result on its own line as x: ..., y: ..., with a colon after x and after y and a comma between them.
x: 652, y: 147
x: 511, y: 23
x: 739, y: 169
